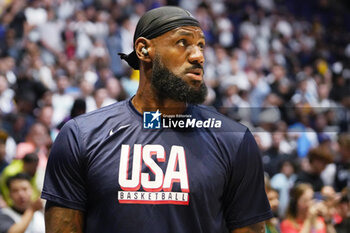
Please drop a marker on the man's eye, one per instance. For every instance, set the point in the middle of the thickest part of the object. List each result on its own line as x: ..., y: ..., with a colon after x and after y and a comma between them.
x: 182, y: 42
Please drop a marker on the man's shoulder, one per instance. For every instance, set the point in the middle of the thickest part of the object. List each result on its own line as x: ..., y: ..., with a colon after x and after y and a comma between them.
x: 105, y: 116
x: 6, y: 221
x: 8, y: 215
x: 112, y: 110
x: 97, y: 125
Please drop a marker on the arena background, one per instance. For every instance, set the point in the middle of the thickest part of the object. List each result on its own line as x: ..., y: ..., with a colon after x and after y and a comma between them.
x: 281, y: 67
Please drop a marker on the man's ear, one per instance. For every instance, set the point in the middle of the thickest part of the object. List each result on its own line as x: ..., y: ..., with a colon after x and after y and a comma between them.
x: 143, y: 48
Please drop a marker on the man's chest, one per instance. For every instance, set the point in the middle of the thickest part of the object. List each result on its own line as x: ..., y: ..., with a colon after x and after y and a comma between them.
x: 156, y: 173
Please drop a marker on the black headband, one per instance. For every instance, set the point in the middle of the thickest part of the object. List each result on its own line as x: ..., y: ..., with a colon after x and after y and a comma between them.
x: 156, y: 22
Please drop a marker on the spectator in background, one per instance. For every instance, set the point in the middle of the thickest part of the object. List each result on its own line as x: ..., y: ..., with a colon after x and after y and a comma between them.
x: 318, y: 160
x: 45, y: 118
x: 104, y: 74
x: 115, y: 90
x: 343, y: 209
x: 28, y: 94
x: 102, y: 98
x: 38, y: 141
x: 126, y: 34
x: 86, y: 93
x: 323, y: 100
x: 35, y: 13
x: 41, y: 73
x: 275, y: 154
x: 306, y: 137
x: 273, y: 224
x: 50, y: 37
x: 24, y: 215
x: 61, y: 101
x: 260, y: 89
x: 113, y: 43
x: 7, y: 104
x: 340, y: 88
x: 79, y: 107
x: 331, y: 199
x: 8, y: 69
x: 283, y: 183
x: 26, y: 165
x: 81, y: 27
x: 15, y: 19
x: 327, y: 144
x: 280, y: 84
x: 304, y: 214
x: 342, y: 173
x: 3, y: 162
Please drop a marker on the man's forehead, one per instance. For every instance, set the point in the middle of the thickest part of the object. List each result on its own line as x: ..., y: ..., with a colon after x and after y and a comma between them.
x: 19, y: 183
x: 158, y: 21
x: 187, y: 31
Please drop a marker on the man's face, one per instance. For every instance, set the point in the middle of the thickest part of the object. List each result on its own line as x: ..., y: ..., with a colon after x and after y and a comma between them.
x: 20, y: 193
x: 272, y: 195
x: 39, y: 135
x: 178, y: 65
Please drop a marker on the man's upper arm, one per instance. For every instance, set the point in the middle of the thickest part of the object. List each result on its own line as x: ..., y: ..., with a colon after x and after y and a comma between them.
x: 254, y: 228
x: 60, y: 219
x: 245, y: 199
x: 65, y: 172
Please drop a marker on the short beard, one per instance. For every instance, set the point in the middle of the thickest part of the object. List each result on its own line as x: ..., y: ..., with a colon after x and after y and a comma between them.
x: 168, y: 85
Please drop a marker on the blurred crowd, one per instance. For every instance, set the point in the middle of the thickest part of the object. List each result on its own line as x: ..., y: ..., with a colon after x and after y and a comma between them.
x: 281, y: 67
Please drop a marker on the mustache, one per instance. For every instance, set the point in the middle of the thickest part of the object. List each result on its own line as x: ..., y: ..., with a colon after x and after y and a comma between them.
x: 195, y: 66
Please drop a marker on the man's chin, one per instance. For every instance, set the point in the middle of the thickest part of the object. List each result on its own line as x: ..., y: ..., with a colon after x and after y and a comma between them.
x: 178, y: 88
x: 197, y: 95
x: 195, y: 85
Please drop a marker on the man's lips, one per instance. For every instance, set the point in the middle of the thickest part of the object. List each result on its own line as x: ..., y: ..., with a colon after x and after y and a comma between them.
x: 196, y: 74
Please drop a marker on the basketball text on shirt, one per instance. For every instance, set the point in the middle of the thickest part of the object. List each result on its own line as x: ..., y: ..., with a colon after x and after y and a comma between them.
x: 158, y: 190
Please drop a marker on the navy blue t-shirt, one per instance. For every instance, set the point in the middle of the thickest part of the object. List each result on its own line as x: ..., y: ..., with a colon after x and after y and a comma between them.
x: 129, y: 179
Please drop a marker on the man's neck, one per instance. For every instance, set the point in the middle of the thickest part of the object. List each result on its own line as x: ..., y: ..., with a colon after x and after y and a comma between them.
x: 152, y: 103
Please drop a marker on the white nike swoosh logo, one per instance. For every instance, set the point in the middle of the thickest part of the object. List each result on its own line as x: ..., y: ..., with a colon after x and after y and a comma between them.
x: 111, y: 132
x: 121, y: 127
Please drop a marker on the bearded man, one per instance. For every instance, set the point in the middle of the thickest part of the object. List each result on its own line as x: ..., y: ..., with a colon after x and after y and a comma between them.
x: 157, y: 162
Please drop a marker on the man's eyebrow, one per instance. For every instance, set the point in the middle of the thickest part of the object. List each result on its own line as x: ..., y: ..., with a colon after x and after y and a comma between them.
x: 186, y: 33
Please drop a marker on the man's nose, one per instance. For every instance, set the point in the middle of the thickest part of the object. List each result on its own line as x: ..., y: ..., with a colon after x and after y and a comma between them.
x: 22, y: 193
x: 196, y: 55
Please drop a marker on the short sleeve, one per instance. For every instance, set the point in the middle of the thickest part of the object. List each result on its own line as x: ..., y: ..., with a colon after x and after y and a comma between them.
x: 6, y: 223
x: 64, y: 181
x: 245, y: 200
